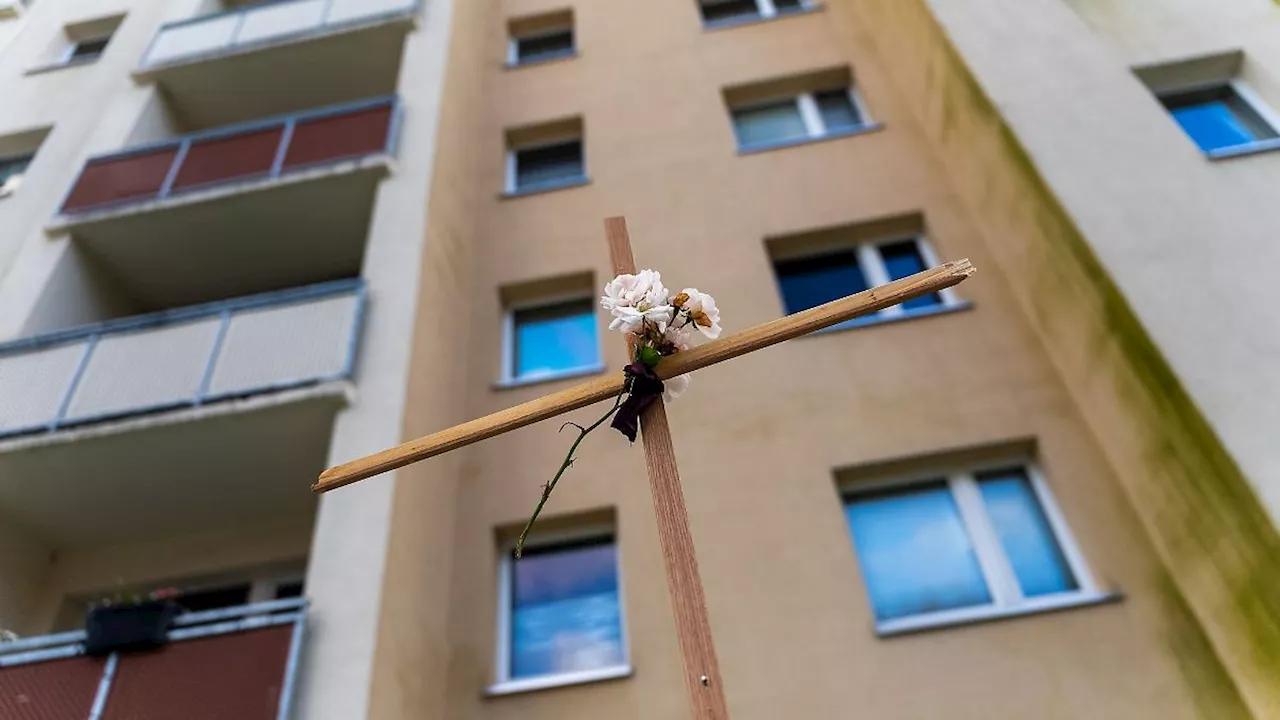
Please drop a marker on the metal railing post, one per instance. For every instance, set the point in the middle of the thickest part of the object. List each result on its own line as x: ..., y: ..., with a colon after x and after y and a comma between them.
x: 104, y: 687
x: 218, y: 339
x: 286, y: 137
x: 65, y: 403
x: 169, y: 179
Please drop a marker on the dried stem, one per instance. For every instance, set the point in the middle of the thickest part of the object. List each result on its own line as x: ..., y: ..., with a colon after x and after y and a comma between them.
x: 568, y: 460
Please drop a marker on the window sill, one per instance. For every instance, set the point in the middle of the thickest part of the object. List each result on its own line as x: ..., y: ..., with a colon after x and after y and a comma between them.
x: 549, y: 377
x: 1253, y: 148
x: 547, y: 682
x: 571, y: 55
x: 540, y: 189
x: 729, y: 23
x: 881, y: 319
x: 973, y: 616
x: 39, y: 69
x: 779, y: 144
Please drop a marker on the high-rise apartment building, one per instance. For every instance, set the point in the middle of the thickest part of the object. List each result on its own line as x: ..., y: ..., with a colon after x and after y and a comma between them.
x: 243, y: 241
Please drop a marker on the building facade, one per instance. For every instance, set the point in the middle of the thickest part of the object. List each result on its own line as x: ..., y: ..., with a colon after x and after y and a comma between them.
x: 240, y: 242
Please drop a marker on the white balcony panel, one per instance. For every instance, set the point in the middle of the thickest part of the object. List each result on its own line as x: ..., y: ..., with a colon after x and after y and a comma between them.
x: 355, y: 10
x: 145, y: 368
x: 197, y: 38
x: 280, y: 20
x: 33, y: 384
x: 285, y: 344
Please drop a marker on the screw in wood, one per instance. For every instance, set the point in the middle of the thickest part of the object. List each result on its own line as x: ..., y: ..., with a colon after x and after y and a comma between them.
x: 706, y: 681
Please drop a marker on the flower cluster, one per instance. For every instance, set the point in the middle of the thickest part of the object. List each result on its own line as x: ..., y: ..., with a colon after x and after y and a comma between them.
x: 662, y: 323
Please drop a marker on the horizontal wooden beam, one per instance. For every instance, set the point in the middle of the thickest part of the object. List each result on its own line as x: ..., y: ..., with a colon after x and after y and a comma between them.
x: 588, y: 393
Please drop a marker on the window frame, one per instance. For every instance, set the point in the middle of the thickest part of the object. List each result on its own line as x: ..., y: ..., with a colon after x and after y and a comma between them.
x: 1002, y: 583
x: 511, y: 189
x: 508, y: 376
x: 513, y: 46
x: 765, y: 10
x: 810, y: 114
x: 503, y: 684
x: 1251, y: 100
x: 10, y: 186
x: 875, y: 272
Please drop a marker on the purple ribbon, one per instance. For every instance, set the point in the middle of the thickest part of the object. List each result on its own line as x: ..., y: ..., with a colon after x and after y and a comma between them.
x: 645, y: 388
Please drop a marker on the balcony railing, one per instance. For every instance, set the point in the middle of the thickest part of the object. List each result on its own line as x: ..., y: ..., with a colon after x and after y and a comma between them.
x: 265, y: 149
x: 239, y: 662
x: 263, y: 24
x: 180, y: 358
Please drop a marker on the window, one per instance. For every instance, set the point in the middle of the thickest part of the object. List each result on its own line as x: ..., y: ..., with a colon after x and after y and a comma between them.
x: 807, y: 116
x: 968, y: 546
x: 86, y: 50
x: 560, y: 615
x: 1223, y: 117
x: 717, y: 13
x: 540, y: 37
x: 552, y: 340
x: 809, y: 280
x: 12, y: 169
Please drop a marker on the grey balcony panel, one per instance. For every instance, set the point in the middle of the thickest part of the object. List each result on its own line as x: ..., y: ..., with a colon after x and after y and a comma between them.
x: 310, y: 341
x: 263, y: 24
x: 33, y: 384
x: 178, y: 358
x: 156, y: 367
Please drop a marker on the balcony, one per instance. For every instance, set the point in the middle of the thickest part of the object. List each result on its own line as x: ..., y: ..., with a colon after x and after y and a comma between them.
x: 238, y: 662
x: 278, y: 56
x: 235, y: 210
x: 200, y: 417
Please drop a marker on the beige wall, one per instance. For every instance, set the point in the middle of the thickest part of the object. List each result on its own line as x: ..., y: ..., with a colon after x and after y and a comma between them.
x: 1083, y: 225
x: 782, y: 581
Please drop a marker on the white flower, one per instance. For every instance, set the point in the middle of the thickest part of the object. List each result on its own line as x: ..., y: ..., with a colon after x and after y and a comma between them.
x: 630, y: 319
x: 701, y: 309
x: 675, y: 387
x: 642, y: 291
x: 679, y: 336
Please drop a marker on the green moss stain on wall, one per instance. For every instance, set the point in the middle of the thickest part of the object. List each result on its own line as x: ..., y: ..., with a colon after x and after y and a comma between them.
x: 1217, y: 540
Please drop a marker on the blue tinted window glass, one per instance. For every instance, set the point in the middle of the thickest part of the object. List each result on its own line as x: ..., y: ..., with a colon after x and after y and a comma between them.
x: 565, y: 613
x: 915, y: 554
x: 767, y: 124
x: 1212, y: 125
x: 1025, y: 534
x: 810, y: 282
x: 902, y: 260
x: 554, y: 338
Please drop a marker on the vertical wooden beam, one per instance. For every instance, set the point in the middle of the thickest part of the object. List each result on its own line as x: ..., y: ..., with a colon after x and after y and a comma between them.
x: 701, y: 668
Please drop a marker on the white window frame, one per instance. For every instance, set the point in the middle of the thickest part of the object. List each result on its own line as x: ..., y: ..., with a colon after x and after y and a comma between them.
x: 810, y: 114
x: 510, y: 187
x: 11, y: 185
x: 1251, y: 99
x: 513, y: 45
x: 876, y: 273
x: 503, y: 683
x: 508, y: 377
x: 765, y: 10
x: 1007, y: 599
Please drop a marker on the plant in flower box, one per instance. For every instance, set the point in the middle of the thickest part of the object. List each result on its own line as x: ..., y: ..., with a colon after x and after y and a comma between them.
x: 131, y: 623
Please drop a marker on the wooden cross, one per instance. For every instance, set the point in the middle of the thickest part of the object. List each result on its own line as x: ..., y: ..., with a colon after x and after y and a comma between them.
x: 702, y: 670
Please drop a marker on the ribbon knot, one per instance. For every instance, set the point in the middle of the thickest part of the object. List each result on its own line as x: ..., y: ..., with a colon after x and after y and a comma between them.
x: 645, y: 388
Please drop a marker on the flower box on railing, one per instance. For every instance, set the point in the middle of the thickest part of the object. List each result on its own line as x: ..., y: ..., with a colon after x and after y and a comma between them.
x: 128, y: 628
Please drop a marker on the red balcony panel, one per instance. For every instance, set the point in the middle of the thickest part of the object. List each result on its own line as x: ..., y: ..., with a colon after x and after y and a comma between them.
x: 329, y: 138
x: 135, y: 177
x: 50, y: 690
x: 229, y: 158
x: 238, y: 676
